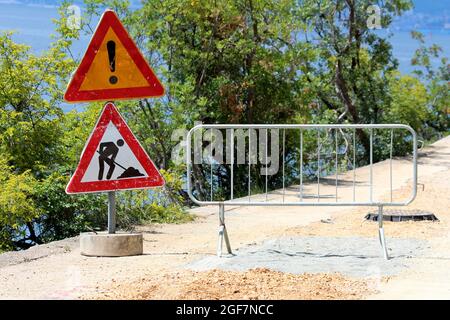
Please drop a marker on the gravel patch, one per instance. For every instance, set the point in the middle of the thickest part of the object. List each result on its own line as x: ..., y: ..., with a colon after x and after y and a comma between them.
x: 351, y: 256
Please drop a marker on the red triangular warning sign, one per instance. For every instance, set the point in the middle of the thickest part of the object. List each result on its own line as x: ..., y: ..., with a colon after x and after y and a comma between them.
x: 112, y: 68
x: 113, y: 159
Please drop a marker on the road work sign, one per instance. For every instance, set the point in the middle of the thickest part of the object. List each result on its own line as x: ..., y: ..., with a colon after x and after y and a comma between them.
x: 113, y: 159
x: 112, y: 68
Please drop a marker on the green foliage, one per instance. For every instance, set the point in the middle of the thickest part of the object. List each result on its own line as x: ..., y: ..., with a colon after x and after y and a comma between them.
x: 76, y: 128
x: 409, y: 102
x: 30, y: 129
x: 63, y: 215
x: 40, y: 147
x: 437, y: 82
x: 227, y: 61
x: 267, y: 62
x: 159, y: 205
x: 29, y: 118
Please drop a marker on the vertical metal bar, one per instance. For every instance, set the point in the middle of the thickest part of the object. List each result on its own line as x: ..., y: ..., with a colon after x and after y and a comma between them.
x: 221, y: 230
x: 232, y: 164
x: 414, y: 164
x: 111, y: 212
x: 301, y: 165
x: 211, y: 166
x: 318, y: 165
x: 220, y: 242
x: 336, y: 160
x: 188, y: 161
x: 284, y: 148
x: 267, y: 164
x: 371, y: 165
x: 249, y: 162
x: 390, y: 160
x: 227, y: 240
x: 223, y: 234
x: 354, y: 163
x: 381, y: 233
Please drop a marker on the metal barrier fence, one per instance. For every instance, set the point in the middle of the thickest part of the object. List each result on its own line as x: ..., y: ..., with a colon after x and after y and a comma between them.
x: 347, y: 133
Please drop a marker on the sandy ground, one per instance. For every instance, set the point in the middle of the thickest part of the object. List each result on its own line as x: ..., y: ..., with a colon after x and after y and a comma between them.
x: 58, y: 271
x: 254, y: 284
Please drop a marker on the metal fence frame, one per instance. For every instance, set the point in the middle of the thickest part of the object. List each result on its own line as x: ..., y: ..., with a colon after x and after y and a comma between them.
x: 223, y: 235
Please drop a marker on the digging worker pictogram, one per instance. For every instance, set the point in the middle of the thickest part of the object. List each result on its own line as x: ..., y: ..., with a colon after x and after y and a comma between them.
x: 108, y: 152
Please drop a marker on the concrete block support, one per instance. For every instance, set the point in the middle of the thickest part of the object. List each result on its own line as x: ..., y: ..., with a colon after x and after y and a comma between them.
x: 111, y: 245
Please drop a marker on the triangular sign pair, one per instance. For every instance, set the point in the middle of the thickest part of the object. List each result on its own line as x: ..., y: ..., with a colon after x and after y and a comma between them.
x: 112, y: 68
x: 113, y: 159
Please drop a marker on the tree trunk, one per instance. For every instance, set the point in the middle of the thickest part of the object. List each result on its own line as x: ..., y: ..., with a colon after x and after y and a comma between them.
x: 342, y: 90
x: 33, y: 236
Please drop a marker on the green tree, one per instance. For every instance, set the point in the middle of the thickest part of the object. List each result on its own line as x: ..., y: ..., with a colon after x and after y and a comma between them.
x: 17, y: 206
x: 258, y: 62
x: 29, y: 112
x: 238, y: 61
x: 409, y: 102
x: 437, y: 86
x: 221, y: 61
x: 350, y: 75
x: 35, y: 163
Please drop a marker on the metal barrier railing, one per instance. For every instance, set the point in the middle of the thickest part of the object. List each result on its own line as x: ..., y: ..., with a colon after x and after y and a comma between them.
x: 343, y: 149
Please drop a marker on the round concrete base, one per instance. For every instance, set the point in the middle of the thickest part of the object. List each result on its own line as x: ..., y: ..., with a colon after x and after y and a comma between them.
x: 111, y: 245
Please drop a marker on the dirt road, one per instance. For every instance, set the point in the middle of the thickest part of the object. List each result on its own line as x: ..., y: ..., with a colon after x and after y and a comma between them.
x: 58, y: 271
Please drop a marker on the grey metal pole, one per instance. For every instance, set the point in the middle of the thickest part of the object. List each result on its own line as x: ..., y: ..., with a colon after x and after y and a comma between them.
x: 354, y: 164
x: 223, y: 234
x: 301, y: 165
x: 112, y: 212
x: 336, y: 164
x: 318, y: 165
x: 381, y: 233
x: 371, y: 166
x: 249, y: 162
x: 284, y: 147
x: 390, y: 160
x: 267, y: 163
x: 232, y: 164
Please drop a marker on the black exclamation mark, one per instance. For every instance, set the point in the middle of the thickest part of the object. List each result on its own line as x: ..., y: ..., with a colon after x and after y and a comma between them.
x: 111, y: 46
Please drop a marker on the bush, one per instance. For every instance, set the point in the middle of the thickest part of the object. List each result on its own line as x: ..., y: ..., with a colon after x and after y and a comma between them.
x: 160, y: 205
x: 66, y: 215
x: 17, y: 206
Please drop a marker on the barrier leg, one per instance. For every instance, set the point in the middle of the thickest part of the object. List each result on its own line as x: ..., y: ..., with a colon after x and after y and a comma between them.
x: 381, y: 232
x: 220, y: 242
x: 223, y: 234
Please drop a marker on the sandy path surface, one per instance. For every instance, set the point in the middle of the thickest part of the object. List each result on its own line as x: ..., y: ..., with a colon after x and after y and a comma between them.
x: 58, y: 271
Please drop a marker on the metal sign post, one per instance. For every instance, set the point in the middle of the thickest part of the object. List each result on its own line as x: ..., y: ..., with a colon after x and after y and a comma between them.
x: 111, y: 212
